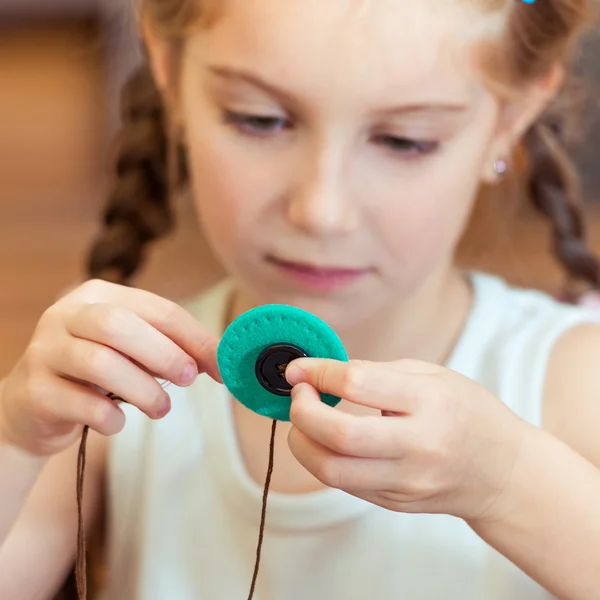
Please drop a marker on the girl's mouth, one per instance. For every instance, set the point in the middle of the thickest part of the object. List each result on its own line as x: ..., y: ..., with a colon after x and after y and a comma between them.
x: 319, y: 277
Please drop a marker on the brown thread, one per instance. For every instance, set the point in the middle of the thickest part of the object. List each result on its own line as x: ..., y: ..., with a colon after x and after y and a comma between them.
x: 81, y: 559
x: 261, y: 533
x: 80, y: 563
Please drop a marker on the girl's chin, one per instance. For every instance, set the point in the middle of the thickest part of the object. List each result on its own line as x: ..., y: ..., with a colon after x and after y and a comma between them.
x: 340, y: 311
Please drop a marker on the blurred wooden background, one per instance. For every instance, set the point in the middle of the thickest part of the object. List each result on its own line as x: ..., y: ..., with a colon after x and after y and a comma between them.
x: 53, y: 139
x: 54, y: 130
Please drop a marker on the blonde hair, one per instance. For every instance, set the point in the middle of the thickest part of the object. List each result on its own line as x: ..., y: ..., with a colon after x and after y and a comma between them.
x: 530, y: 39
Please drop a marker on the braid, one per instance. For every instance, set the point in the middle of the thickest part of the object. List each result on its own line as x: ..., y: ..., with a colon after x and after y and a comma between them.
x: 138, y: 210
x: 138, y: 213
x: 554, y: 190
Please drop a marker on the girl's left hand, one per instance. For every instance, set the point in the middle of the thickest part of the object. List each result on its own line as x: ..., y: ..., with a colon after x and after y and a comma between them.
x: 439, y: 443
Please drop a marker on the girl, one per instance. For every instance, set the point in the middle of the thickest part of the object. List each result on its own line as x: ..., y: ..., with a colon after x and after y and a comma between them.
x: 335, y: 151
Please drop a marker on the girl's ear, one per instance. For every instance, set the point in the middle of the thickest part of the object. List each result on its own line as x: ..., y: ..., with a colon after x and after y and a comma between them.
x: 160, y: 56
x: 517, y: 116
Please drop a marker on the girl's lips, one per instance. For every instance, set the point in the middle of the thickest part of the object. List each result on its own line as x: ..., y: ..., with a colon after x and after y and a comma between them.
x: 318, y: 277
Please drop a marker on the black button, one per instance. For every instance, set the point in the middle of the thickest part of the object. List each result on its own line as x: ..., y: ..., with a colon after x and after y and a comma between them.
x: 271, y: 364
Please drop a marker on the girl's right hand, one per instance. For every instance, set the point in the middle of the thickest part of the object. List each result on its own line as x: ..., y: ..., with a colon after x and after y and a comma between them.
x: 99, y: 337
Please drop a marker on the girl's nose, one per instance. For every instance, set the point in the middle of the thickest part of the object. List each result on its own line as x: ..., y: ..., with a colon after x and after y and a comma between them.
x: 321, y: 206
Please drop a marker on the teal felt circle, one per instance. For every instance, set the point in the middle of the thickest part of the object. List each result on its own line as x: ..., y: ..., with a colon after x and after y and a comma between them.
x: 256, y: 330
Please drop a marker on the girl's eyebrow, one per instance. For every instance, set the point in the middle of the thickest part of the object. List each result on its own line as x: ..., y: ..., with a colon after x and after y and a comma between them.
x: 244, y: 76
x: 425, y: 107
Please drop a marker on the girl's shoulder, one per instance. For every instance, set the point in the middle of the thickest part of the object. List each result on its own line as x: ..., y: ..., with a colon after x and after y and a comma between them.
x: 511, y: 338
x: 495, y: 289
x: 509, y: 312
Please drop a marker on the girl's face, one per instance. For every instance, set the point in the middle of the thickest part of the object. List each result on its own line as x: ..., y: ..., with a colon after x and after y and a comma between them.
x: 346, y: 136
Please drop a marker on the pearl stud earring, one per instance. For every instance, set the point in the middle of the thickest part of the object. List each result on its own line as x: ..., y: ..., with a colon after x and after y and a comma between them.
x: 500, y: 167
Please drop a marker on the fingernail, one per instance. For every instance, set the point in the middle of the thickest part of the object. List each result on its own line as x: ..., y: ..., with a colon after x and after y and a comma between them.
x: 166, y: 407
x: 294, y: 374
x: 189, y: 374
x: 294, y: 393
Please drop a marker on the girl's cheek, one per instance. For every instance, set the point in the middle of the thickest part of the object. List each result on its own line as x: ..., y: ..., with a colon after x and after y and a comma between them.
x: 421, y: 227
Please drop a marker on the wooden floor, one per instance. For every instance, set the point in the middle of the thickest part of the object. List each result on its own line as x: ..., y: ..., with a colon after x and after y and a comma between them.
x: 52, y: 182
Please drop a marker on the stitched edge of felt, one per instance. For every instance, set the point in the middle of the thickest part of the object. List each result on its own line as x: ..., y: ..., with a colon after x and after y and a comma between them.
x: 252, y: 332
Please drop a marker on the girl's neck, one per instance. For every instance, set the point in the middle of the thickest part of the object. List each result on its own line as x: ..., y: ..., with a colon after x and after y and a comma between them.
x: 424, y: 326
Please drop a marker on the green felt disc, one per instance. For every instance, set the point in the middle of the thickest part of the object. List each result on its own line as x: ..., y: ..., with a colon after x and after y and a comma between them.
x: 258, y: 345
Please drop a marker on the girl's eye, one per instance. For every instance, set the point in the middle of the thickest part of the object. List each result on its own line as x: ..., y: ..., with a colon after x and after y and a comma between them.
x: 407, y: 146
x: 256, y: 124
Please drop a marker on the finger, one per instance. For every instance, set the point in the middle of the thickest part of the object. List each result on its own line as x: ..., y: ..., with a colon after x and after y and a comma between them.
x: 168, y: 317
x: 342, y: 472
x: 394, y: 501
x: 73, y: 403
x: 126, y: 332
x: 375, y: 385
x: 109, y: 370
x: 347, y: 434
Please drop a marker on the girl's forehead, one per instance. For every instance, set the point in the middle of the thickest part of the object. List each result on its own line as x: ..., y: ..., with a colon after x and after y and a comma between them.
x: 345, y: 43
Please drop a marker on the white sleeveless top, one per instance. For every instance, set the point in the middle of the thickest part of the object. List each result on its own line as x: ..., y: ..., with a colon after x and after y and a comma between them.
x: 184, y: 513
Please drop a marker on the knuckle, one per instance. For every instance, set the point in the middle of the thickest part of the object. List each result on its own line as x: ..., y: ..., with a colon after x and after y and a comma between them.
x: 322, y: 377
x: 438, y: 446
x: 35, y: 354
x: 205, y: 343
x: 48, y: 316
x: 442, y: 394
x: 49, y: 324
x: 344, y: 438
x: 36, y: 389
x: 167, y: 311
x: 435, y: 451
x: 353, y: 380
x: 98, y: 361
x: 114, y: 321
x: 444, y: 399
x: 406, y: 364
x: 171, y: 363
x: 425, y: 486
x: 92, y: 289
x: 40, y: 401
x: 328, y: 472
x: 412, y: 365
